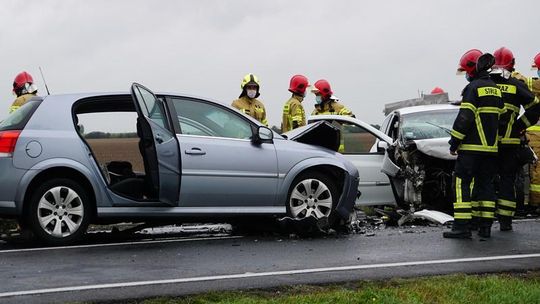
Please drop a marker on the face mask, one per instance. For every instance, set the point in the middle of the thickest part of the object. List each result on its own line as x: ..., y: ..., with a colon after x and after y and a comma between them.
x: 318, y: 99
x: 469, y: 78
x: 251, y: 93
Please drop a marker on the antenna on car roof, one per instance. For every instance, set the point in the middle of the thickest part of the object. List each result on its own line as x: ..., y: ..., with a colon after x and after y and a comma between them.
x: 43, y: 77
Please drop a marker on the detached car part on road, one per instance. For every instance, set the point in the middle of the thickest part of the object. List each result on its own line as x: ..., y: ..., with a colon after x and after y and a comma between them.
x: 147, y: 157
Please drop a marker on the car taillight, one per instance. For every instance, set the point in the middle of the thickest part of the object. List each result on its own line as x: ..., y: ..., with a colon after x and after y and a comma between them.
x: 8, y: 140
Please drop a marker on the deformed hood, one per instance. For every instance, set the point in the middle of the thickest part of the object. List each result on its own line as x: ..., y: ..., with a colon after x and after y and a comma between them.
x: 320, y: 133
x: 435, y: 147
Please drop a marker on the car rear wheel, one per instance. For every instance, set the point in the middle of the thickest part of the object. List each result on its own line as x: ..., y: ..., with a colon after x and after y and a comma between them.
x: 312, y: 194
x: 59, y: 211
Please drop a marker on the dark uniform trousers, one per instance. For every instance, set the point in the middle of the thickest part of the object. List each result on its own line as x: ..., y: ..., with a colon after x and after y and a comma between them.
x: 474, y: 189
x: 508, y: 170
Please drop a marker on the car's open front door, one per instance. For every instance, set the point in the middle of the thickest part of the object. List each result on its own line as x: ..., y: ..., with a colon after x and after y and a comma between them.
x: 158, y: 146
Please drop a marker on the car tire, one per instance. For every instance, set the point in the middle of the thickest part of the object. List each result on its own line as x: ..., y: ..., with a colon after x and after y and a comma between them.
x: 320, y: 203
x: 59, y: 212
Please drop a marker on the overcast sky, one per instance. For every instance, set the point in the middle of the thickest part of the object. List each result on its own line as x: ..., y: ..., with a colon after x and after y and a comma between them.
x: 372, y: 52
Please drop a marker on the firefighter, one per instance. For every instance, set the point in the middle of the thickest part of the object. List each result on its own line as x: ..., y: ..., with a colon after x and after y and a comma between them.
x: 293, y: 111
x: 325, y: 102
x: 474, y: 141
x: 533, y: 134
x: 24, y: 89
x: 247, y: 102
x: 516, y: 96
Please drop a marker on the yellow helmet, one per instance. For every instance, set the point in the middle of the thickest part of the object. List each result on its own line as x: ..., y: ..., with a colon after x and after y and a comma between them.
x: 251, y: 79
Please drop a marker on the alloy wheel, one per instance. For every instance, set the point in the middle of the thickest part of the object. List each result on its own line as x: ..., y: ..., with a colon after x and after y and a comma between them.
x: 310, y: 197
x: 60, y: 211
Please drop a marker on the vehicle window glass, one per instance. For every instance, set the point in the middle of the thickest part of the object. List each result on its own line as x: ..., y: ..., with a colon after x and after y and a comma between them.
x: 384, y: 125
x: 429, y: 124
x: 356, y: 139
x: 18, y: 119
x: 151, y: 107
x: 112, y: 136
x: 201, y: 118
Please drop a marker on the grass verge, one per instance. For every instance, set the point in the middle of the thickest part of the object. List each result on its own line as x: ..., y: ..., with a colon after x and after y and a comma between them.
x: 496, y: 289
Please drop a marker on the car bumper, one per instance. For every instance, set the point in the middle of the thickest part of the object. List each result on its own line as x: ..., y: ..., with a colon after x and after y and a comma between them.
x: 348, y: 197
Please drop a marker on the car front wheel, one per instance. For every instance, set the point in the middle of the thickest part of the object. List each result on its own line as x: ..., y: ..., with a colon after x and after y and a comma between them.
x: 59, y: 211
x: 312, y: 195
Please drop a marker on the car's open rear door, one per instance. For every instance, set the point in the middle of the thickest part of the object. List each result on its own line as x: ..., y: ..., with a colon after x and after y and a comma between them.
x: 158, y: 145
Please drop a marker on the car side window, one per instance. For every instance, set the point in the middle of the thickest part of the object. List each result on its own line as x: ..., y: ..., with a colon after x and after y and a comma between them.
x: 356, y: 139
x: 152, y: 108
x: 384, y: 126
x: 205, y: 119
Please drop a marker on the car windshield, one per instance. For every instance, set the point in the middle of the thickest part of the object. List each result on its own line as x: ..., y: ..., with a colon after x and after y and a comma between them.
x: 428, y: 124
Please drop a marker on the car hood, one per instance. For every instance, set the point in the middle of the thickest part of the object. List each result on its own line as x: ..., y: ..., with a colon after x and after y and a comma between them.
x: 320, y: 133
x: 436, y: 147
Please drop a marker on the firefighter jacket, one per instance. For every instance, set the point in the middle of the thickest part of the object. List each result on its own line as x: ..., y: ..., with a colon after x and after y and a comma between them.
x: 533, y: 83
x: 515, y: 95
x: 293, y: 114
x: 252, y: 107
x: 476, y: 125
x: 20, y: 101
x: 331, y: 108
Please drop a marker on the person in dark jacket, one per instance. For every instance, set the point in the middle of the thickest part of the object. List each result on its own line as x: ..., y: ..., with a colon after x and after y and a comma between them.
x: 516, y: 96
x: 474, y: 140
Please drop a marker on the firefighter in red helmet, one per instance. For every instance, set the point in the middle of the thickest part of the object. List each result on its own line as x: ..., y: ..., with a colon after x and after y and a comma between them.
x: 294, y: 115
x: 474, y: 141
x: 517, y: 99
x: 247, y: 102
x: 325, y: 102
x: 24, y: 89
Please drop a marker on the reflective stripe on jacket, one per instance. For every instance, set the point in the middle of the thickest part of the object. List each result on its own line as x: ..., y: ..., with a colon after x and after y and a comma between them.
x: 293, y: 114
x: 331, y: 108
x: 476, y: 125
x: 252, y: 107
x: 515, y: 95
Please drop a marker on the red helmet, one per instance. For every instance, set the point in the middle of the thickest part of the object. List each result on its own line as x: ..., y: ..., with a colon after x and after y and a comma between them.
x: 437, y: 90
x: 536, y: 61
x: 504, y: 58
x: 322, y: 87
x: 467, y: 63
x: 21, y: 79
x: 298, y: 84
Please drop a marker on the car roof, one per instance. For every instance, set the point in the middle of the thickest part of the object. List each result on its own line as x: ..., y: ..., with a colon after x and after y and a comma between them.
x: 426, y: 108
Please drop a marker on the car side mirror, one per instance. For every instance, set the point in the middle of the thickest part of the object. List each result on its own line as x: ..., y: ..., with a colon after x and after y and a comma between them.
x: 263, y: 135
x: 382, y: 146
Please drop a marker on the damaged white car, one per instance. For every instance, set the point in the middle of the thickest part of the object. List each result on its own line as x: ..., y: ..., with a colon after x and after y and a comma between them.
x: 419, y: 161
x: 411, y: 148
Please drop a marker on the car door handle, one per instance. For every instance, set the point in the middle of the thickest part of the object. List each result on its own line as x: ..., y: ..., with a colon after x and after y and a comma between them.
x: 382, y: 184
x: 195, y: 151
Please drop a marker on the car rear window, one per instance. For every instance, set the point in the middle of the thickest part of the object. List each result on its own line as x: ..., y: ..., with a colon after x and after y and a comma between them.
x: 18, y: 119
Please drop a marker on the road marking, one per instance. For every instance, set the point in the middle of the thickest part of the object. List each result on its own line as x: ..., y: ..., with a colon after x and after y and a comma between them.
x: 123, y: 244
x: 263, y: 274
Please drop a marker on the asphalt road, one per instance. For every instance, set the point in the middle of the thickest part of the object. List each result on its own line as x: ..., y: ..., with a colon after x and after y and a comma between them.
x: 186, y: 265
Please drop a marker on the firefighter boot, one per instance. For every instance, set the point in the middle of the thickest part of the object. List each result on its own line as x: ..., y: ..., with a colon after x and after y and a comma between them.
x: 505, y: 223
x: 460, y: 230
x: 484, y: 229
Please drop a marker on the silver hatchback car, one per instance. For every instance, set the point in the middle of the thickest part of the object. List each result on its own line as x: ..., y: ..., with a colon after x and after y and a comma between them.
x: 70, y: 160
